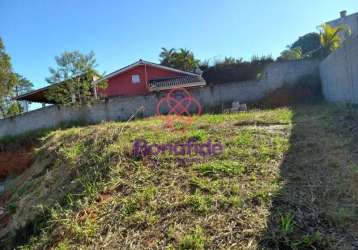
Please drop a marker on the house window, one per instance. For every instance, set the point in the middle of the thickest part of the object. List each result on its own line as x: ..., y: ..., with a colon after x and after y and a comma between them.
x: 135, y: 79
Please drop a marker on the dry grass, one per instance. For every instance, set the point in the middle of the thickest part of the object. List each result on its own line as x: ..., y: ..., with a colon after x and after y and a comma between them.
x: 286, y: 180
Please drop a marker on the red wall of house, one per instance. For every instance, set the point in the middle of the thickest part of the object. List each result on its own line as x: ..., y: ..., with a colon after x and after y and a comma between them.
x: 121, y: 84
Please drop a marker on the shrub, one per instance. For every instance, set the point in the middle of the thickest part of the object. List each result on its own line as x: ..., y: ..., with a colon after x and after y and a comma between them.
x: 235, y: 70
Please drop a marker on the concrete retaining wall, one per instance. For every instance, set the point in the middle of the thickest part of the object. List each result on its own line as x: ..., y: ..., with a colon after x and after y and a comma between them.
x: 339, y: 73
x: 121, y: 108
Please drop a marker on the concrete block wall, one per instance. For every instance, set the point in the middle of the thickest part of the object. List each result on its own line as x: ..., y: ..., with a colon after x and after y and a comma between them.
x: 350, y: 20
x: 274, y: 76
x: 339, y: 73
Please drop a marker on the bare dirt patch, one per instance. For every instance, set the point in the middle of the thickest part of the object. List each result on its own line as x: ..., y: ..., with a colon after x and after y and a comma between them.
x: 15, y: 162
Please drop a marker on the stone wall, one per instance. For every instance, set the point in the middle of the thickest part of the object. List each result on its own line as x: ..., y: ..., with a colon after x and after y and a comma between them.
x: 339, y: 73
x: 274, y: 76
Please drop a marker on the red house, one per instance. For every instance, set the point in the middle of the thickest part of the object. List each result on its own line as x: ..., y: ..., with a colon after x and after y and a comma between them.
x: 139, y: 78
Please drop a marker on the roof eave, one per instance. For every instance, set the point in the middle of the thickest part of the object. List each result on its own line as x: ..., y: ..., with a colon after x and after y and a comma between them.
x: 142, y: 62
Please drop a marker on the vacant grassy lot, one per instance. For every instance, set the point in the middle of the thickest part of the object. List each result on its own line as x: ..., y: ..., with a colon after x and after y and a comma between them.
x: 287, y: 179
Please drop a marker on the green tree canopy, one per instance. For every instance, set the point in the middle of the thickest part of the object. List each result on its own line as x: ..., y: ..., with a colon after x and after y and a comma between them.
x: 291, y: 54
x: 183, y: 59
x: 316, y: 44
x: 14, y: 108
x: 23, y: 85
x: 7, y: 77
x: 308, y: 43
x: 73, y: 79
x: 11, y: 84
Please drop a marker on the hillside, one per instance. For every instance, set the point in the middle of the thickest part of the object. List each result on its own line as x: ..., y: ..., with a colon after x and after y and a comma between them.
x: 286, y: 179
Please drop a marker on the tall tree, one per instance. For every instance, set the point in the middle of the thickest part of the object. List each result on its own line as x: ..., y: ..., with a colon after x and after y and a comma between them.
x: 167, y: 56
x: 11, y: 85
x: 183, y: 59
x: 23, y: 85
x: 73, y: 79
x: 11, y: 107
x: 7, y: 77
x: 7, y: 81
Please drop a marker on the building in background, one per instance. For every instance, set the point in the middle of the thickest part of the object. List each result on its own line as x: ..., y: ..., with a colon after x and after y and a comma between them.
x: 139, y: 78
x: 350, y: 20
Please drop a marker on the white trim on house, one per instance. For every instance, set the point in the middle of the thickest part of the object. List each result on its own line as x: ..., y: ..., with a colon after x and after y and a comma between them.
x: 186, y: 85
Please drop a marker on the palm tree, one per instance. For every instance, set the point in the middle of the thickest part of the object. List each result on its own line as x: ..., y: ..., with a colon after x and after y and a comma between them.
x: 180, y: 59
x: 167, y: 56
x: 186, y: 60
x: 330, y: 37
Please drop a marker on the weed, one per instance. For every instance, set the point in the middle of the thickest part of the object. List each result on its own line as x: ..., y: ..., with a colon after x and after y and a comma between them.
x: 286, y: 226
x: 64, y: 245
x: 194, y: 240
x: 200, y: 203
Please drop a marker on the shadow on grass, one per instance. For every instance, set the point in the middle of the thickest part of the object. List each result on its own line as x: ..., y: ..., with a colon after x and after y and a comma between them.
x: 317, y: 205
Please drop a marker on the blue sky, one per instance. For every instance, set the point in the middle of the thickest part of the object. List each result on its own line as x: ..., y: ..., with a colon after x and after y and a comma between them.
x: 121, y: 32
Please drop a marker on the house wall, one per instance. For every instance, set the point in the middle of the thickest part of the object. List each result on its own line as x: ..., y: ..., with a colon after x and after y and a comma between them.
x: 274, y: 76
x: 121, y: 84
x: 350, y: 20
x: 339, y: 73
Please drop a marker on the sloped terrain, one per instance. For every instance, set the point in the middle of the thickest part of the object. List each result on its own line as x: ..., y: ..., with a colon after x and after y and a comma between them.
x: 15, y: 161
x: 286, y: 179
